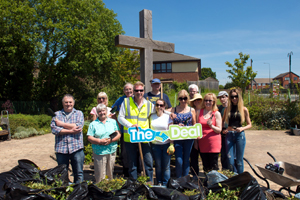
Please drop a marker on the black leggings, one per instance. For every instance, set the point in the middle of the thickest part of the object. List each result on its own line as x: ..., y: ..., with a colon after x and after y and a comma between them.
x: 210, y: 161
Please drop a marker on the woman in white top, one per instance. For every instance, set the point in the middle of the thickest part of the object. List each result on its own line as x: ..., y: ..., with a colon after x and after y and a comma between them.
x: 101, y: 99
x: 161, y: 150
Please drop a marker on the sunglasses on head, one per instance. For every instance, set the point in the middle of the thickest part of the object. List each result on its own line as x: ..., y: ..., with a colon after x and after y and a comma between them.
x: 182, y: 98
x: 138, y: 90
x: 208, y: 100
x: 160, y: 105
x: 236, y: 96
x: 99, y: 98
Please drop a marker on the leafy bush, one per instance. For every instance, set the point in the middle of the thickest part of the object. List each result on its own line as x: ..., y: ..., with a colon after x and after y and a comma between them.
x: 22, y: 132
x: 271, y: 113
x: 40, y: 123
x: 296, y: 122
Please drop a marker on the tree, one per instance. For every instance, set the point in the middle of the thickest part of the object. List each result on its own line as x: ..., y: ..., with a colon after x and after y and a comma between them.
x: 238, y: 75
x: 17, y: 50
x: 229, y: 85
x: 207, y: 72
x: 78, y: 47
x: 70, y: 42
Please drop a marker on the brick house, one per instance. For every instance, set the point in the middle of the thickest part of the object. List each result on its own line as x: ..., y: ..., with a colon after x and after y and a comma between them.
x: 176, y: 67
x: 284, y: 79
x: 260, y: 83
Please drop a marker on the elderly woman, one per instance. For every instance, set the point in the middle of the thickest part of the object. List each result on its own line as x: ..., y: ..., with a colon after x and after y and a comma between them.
x: 185, y: 117
x: 195, y: 103
x: 101, y: 99
x: 210, y: 143
x: 235, y: 115
x: 161, y: 150
x: 104, y: 143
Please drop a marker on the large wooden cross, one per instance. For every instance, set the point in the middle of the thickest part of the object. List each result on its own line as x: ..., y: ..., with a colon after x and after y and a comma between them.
x: 146, y: 46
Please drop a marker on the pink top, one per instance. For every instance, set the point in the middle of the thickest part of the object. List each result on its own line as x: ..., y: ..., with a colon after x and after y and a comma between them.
x: 211, y: 141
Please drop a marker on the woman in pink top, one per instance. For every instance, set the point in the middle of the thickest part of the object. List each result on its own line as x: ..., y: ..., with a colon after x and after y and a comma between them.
x: 210, y: 143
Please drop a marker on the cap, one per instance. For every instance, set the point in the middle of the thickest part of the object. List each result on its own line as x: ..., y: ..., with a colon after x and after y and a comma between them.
x: 222, y: 93
x: 156, y: 80
x: 196, y: 96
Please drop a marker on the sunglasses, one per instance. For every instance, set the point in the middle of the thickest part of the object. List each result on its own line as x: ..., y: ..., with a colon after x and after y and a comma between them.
x: 101, y: 98
x: 138, y: 90
x: 206, y: 100
x: 182, y: 98
x: 236, y: 96
x: 160, y: 105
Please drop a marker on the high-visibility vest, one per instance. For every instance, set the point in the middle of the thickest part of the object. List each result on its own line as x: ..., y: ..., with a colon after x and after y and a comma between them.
x: 134, y: 115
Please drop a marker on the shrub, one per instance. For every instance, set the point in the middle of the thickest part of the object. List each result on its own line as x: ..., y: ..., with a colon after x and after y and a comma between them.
x: 296, y: 122
x: 40, y: 123
x: 22, y: 132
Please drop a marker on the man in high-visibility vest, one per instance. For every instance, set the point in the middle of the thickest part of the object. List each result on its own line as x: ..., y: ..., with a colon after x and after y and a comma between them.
x: 135, y: 112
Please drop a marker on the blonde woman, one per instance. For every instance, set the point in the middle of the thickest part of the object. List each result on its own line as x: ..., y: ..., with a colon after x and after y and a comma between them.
x: 235, y: 115
x: 101, y: 99
x: 210, y: 143
x: 186, y: 116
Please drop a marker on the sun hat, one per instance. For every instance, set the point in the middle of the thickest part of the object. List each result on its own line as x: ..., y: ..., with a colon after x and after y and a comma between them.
x: 156, y: 80
x: 222, y: 93
x: 196, y: 96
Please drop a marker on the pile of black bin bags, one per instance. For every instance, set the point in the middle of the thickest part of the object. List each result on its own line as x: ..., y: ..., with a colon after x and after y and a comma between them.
x: 11, y: 187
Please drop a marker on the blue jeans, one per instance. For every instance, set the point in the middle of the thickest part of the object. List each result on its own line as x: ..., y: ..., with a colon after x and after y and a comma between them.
x: 235, y: 142
x: 77, y: 160
x: 182, y: 154
x: 162, y: 162
x: 132, y: 158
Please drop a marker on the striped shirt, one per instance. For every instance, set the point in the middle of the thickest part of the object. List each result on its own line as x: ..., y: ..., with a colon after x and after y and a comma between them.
x: 68, y: 143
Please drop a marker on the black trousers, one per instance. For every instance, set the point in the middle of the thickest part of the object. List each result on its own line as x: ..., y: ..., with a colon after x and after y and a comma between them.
x: 194, y: 161
x: 210, y: 161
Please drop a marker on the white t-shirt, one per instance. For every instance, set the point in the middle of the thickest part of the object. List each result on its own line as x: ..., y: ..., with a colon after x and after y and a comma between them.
x: 160, y: 124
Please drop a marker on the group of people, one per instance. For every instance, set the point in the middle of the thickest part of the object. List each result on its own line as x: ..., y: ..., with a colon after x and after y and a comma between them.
x: 222, y: 128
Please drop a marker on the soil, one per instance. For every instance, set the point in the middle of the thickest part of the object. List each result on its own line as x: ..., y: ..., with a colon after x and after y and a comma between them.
x: 40, y: 149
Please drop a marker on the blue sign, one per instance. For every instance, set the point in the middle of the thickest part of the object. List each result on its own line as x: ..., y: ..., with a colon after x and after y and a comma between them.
x: 146, y: 135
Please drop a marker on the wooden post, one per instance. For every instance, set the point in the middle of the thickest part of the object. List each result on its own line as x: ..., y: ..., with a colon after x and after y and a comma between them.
x: 146, y: 45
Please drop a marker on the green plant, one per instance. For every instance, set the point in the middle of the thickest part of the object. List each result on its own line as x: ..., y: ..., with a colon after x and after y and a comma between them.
x: 40, y: 123
x: 191, y: 192
x: 224, y: 194
x: 143, y: 179
x: 50, y: 189
x: 109, y: 185
x: 22, y: 132
x: 227, y: 173
x: 296, y: 122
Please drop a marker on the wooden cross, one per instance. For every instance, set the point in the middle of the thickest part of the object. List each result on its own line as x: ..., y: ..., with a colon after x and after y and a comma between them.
x: 146, y: 46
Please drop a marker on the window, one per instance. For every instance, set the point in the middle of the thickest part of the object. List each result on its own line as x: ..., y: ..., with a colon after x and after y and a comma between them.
x: 259, y: 84
x: 263, y: 84
x: 162, y: 67
x: 295, y: 78
x: 287, y: 78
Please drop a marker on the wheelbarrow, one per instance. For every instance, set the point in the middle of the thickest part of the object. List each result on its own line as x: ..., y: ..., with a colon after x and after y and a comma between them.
x: 290, y: 176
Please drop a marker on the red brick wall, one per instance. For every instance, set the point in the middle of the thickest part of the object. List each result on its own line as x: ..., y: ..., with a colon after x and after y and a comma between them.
x: 285, y: 83
x: 177, y: 76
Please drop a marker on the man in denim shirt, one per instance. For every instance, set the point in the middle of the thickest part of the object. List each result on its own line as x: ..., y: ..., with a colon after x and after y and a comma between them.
x: 67, y: 127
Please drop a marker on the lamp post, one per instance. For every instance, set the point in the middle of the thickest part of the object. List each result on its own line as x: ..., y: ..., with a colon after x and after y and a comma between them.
x: 269, y: 74
x: 290, y: 64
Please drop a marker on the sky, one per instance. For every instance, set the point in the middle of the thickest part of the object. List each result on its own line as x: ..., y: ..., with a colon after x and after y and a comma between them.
x: 216, y: 31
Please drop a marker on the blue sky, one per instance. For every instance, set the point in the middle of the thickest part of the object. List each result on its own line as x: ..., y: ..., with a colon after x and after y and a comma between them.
x: 217, y: 30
